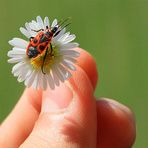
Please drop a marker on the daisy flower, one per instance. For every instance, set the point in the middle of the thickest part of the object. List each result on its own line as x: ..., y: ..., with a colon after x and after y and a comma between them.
x: 47, y: 57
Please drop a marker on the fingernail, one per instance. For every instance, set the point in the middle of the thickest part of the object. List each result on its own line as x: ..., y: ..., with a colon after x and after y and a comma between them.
x: 57, y: 99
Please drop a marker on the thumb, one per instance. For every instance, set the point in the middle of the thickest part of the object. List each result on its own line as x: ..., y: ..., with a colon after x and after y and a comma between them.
x: 68, y: 116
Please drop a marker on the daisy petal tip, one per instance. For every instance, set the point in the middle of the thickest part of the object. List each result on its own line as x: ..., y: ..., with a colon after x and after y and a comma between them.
x: 38, y: 17
x: 21, y: 28
x: 73, y: 69
x: 10, y: 41
x: 9, y: 61
x: 19, y: 80
x: 77, y: 44
x: 8, y: 54
x: 76, y: 53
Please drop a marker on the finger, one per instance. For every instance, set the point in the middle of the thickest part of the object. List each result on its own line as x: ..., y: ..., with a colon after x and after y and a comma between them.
x: 88, y: 64
x: 116, y: 125
x: 28, y: 108
x: 68, y: 117
x: 20, y: 122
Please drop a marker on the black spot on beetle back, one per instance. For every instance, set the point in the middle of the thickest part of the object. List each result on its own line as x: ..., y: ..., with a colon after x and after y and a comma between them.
x: 32, y: 52
x: 43, y: 39
x: 35, y: 41
x: 42, y: 47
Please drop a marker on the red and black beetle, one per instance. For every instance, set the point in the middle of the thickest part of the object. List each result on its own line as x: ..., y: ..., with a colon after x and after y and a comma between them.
x: 42, y: 41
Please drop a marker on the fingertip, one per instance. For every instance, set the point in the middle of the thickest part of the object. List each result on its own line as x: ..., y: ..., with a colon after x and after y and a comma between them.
x: 116, y: 124
x: 57, y: 99
x: 88, y: 64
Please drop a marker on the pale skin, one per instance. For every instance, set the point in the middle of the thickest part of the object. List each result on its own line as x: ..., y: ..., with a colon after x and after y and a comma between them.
x: 69, y: 117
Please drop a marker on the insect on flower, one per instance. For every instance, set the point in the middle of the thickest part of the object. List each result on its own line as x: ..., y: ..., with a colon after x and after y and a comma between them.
x: 47, y: 58
x: 42, y: 41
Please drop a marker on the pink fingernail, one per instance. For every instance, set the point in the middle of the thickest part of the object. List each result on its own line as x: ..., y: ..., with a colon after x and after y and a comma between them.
x: 57, y: 99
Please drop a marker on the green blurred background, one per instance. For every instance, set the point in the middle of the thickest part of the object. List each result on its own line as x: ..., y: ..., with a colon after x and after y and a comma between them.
x: 115, y: 32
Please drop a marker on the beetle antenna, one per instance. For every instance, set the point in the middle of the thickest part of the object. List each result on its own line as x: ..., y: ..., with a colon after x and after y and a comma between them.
x: 65, y: 26
x: 60, y: 23
x: 61, y: 29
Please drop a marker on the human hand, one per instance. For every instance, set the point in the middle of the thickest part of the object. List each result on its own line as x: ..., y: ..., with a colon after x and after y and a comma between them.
x: 69, y: 116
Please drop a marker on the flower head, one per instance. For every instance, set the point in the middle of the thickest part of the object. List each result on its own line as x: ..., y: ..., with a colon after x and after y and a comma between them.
x: 47, y: 58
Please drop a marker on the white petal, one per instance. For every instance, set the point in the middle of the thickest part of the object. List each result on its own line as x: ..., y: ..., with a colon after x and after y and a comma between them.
x: 58, y: 72
x: 55, y: 78
x: 29, y: 69
x: 70, y: 53
x: 69, y: 39
x: 25, y: 32
x: 46, y: 22
x: 17, y: 52
x: 35, y: 83
x: 69, y: 46
x: 69, y: 65
x: 21, y: 50
x: 19, y: 72
x: 36, y: 25
x: 29, y: 80
x: 21, y: 78
x: 50, y: 81
x: 14, y: 54
x: 59, y: 35
x: 33, y: 33
x: 40, y: 22
x: 27, y: 26
x: 25, y: 73
x: 32, y: 26
x: 17, y: 66
x: 66, y: 74
x: 15, y: 60
x: 18, y: 43
x: 54, y: 23
x: 43, y: 82
x: 70, y: 59
x: 63, y: 37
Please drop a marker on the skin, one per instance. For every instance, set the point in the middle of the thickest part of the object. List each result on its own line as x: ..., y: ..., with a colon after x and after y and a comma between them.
x: 70, y: 116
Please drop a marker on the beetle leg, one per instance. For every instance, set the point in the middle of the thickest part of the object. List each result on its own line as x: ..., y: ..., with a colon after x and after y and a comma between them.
x: 42, y: 67
x: 51, y: 48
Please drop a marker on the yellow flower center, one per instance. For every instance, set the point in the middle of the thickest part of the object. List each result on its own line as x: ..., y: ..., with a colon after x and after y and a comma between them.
x: 45, y: 59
